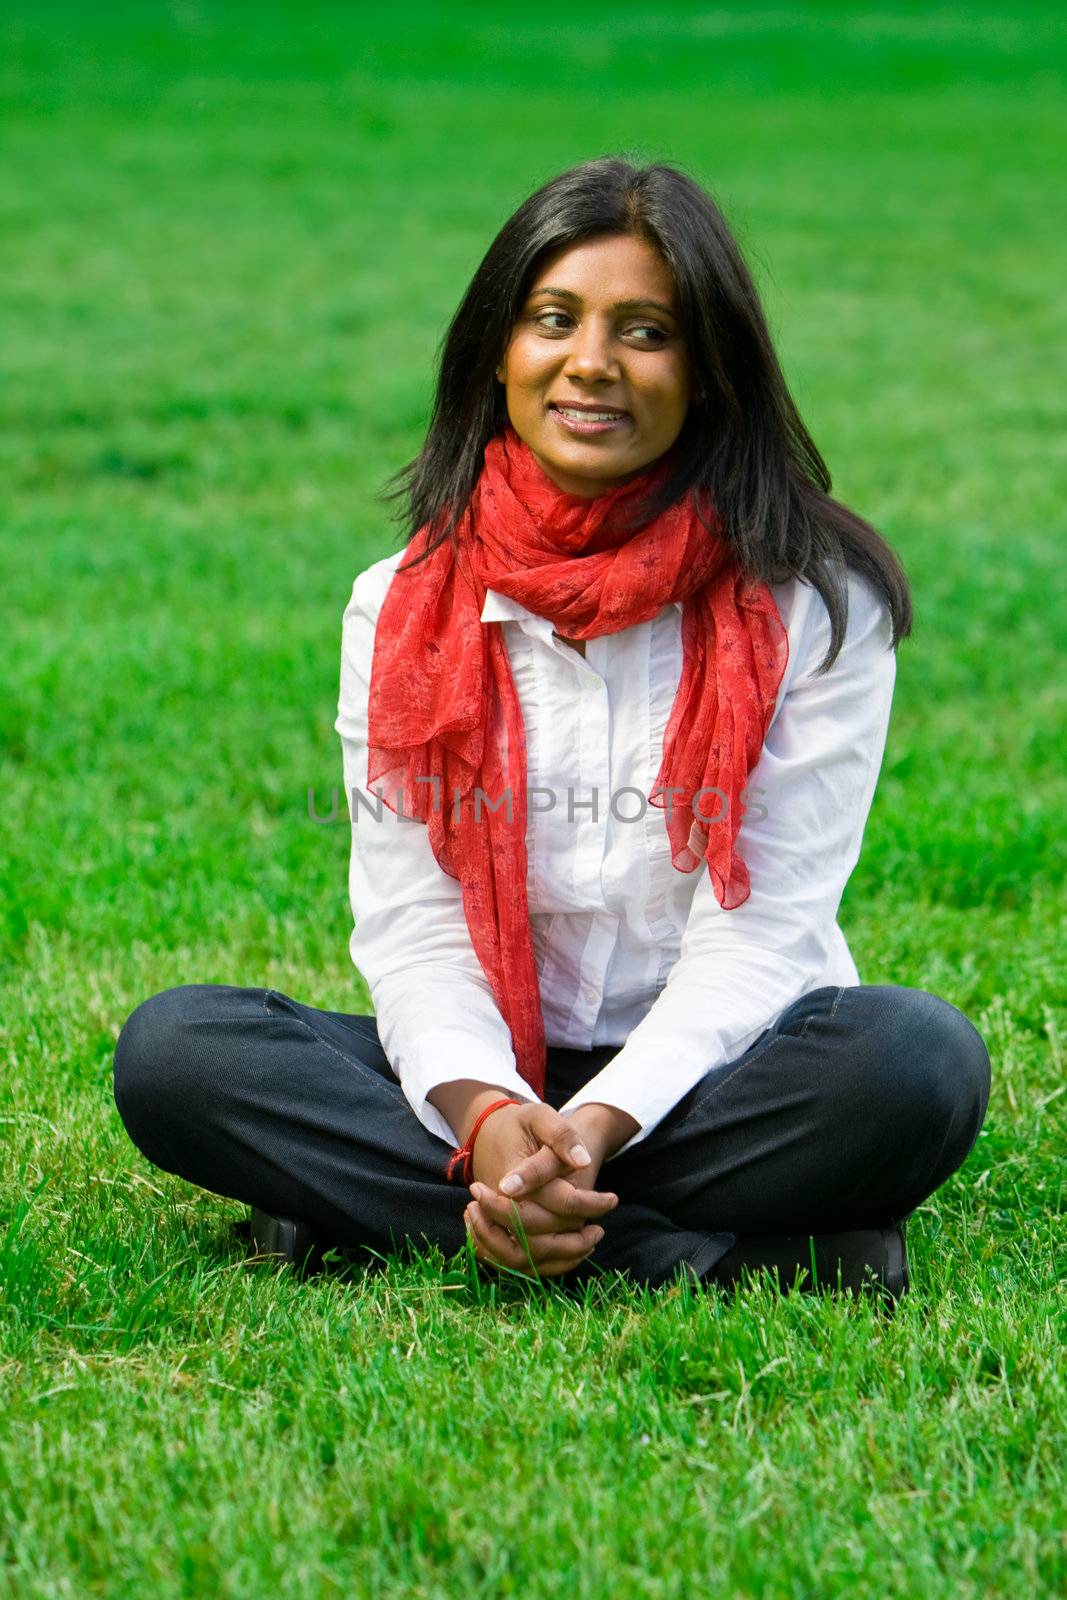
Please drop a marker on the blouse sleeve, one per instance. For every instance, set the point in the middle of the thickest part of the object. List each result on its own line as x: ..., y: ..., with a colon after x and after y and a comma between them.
x: 814, y: 782
x: 437, y: 1018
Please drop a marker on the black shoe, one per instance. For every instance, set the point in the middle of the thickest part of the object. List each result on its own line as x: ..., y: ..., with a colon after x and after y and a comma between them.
x: 868, y: 1260
x: 289, y: 1239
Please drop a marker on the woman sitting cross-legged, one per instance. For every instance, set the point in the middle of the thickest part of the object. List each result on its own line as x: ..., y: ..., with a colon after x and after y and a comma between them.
x: 612, y: 722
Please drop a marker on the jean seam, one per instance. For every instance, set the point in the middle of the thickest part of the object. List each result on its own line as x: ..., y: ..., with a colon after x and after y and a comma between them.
x: 724, y: 1233
x: 359, y: 1032
x: 374, y: 1037
x: 349, y: 1061
x: 808, y: 1020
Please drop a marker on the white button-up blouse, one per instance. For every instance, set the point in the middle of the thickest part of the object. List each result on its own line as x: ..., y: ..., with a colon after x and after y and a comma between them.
x: 629, y: 950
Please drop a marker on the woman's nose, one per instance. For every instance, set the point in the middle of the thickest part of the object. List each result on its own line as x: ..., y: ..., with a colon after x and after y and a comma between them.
x: 591, y: 354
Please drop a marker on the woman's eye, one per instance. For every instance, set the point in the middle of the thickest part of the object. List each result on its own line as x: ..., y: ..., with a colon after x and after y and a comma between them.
x: 649, y: 333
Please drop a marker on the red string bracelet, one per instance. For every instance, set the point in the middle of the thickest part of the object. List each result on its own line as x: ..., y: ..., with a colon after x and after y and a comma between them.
x: 463, y: 1156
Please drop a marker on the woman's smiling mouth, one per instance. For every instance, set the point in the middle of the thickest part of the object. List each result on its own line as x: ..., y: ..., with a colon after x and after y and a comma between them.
x: 587, y: 419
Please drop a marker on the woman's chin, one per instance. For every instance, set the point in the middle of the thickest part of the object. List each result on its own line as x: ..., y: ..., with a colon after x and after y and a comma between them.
x: 584, y: 469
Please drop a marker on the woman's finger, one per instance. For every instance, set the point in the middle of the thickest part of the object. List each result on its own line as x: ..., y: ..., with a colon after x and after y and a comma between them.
x: 538, y: 1217
x: 511, y: 1249
x: 561, y: 1151
x: 543, y: 1255
x: 494, y: 1245
x: 534, y: 1171
x: 509, y: 1213
x: 573, y: 1245
x: 560, y: 1134
x: 566, y: 1199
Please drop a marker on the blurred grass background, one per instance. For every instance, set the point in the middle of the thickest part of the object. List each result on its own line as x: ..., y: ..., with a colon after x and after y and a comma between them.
x: 230, y: 239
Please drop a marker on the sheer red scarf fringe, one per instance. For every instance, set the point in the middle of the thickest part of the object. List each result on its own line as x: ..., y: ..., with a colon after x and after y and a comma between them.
x: 445, y: 719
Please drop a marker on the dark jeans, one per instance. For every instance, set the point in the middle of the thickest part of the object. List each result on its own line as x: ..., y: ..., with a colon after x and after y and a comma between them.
x: 845, y: 1114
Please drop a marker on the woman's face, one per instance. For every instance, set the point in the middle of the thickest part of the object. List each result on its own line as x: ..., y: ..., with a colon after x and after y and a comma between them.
x: 596, y: 374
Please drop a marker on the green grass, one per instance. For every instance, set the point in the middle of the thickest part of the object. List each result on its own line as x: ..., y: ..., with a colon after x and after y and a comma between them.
x: 231, y: 238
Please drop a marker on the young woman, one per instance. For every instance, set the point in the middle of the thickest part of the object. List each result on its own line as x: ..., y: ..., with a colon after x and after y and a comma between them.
x: 611, y: 723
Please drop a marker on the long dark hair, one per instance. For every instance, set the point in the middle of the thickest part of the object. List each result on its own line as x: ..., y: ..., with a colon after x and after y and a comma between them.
x: 745, y: 443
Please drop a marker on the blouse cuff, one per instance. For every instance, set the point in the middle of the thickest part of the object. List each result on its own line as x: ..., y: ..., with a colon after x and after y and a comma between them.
x: 442, y: 1055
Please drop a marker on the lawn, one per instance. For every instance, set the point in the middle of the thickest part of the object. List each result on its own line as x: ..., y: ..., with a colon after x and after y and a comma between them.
x: 230, y: 239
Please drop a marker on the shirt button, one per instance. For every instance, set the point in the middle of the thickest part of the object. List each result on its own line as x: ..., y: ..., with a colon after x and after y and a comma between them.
x: 590, y: 995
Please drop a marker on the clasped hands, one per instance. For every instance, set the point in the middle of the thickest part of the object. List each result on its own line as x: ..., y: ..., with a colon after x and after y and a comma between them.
x: 535, y: 1166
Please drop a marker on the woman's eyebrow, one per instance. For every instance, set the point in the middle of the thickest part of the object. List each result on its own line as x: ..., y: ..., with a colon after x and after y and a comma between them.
x: 620, y: 305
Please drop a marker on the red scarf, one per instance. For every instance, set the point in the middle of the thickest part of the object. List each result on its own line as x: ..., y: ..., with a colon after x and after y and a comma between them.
x: 443, y: 706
